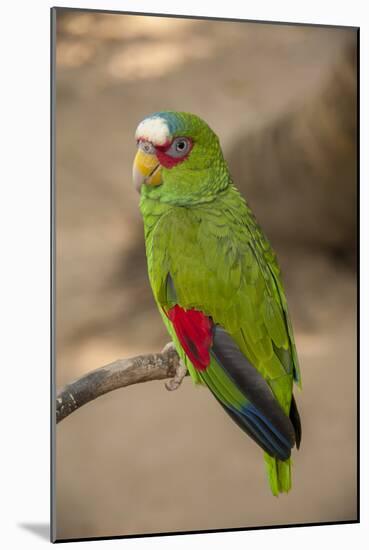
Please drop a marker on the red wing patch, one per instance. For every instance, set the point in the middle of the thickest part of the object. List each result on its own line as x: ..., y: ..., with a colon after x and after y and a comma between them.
x: 194, y: 331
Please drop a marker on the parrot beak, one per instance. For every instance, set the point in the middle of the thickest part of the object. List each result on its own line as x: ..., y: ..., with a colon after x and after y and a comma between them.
x: 146, y: 169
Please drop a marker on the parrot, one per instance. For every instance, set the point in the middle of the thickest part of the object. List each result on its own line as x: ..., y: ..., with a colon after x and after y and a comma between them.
x: 217, y: 284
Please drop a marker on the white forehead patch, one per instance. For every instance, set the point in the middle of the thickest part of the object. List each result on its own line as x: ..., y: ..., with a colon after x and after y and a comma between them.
x: 153, y: 129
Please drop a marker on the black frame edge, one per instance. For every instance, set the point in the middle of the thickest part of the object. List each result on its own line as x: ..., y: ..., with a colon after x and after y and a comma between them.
x: 206, y: 18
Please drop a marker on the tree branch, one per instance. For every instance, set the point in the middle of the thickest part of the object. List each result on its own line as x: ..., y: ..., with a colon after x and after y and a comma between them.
x: 119, y: 374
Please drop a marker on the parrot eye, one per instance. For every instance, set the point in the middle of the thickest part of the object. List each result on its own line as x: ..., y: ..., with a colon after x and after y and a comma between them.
x: 146, y: 147
x: 179, y: 147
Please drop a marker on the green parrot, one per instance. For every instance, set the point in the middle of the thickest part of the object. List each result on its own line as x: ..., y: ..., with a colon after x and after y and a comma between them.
x: 217, y: 283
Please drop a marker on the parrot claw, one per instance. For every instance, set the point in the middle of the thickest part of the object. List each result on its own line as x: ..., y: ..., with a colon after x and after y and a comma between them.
x: 181, y: 371
x: 176, y: 381
x: 168, y: 347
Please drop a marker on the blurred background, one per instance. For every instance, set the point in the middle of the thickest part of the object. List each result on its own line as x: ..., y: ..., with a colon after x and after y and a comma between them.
x: 282, y: 99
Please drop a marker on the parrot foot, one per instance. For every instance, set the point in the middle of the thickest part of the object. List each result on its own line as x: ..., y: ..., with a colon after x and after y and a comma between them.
x: 181, y: 371
x: 176, y: 381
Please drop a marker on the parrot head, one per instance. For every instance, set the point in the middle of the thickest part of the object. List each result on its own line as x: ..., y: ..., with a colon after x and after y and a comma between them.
x: 179, y: 159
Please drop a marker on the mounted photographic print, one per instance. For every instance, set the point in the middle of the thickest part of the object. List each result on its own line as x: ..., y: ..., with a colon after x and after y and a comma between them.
x: 204, y: 240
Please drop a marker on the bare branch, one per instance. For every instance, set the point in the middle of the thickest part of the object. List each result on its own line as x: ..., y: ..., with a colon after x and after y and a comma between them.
x: 119, y: 374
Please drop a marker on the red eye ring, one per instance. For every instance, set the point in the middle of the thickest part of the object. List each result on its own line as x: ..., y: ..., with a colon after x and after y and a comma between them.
x: 169, y: 155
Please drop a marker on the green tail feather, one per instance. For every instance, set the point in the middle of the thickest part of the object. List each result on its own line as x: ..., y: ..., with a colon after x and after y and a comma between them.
x: 279, y: 474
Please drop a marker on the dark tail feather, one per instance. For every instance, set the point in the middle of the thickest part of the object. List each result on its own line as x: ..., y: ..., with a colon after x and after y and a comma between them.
x: 296, y: 422
x: 263, y: 437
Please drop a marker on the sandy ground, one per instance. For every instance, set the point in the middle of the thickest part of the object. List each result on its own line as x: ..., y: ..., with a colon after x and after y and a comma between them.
x: 142, y: 459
